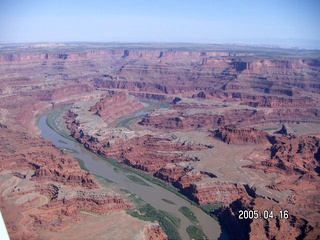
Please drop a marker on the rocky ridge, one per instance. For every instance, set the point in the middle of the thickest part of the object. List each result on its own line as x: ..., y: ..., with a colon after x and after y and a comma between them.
x: 244, y: 89
x: 233, y: 135
x: 120, y: 101
x: 188, y: 117
x: 49, y: 178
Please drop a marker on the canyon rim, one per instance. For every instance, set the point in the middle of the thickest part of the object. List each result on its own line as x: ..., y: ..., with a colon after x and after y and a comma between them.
x: 233, y: 128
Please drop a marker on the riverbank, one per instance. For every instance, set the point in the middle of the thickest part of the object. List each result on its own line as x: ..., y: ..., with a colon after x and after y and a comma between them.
x: 130, y: 170
x: 55, y: 122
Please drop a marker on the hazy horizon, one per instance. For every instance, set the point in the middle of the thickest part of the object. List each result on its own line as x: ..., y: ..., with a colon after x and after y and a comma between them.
x: 282, y: 23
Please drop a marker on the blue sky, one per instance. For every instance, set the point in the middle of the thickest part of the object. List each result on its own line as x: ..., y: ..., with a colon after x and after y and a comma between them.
x: 279, y: 22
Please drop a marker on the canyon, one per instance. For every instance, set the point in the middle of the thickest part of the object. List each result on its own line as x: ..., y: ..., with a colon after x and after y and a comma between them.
x: 231, y: 127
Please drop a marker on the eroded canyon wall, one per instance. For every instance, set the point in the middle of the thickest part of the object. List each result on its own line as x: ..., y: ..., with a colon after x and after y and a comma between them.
x: 216, y: 93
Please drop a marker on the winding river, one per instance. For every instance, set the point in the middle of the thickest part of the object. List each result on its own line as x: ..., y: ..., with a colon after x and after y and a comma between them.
x: 152, y: 194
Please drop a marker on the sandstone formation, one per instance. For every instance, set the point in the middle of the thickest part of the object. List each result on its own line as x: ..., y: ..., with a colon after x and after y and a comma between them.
x: 293, y: 155
x: 47, y: 186
x: 121, y: 102
x: 217, y: 192
x: 293, y: 227
x: 47, y: 162
x: 43, y: 188
x: 296, y: 160
x: 56, y: 93
x: 139, y: 152
x: 62, y: 211
x: 273, y: 102
x: 154, y: 232
x: 181, y: 175
x: 240, y: 96
x: 180, y: 121
x: 187, y: 116
x: 231, y: 135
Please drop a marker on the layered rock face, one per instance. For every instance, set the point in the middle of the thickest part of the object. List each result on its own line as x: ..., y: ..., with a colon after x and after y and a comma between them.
x: 296, y: 162
x: 232, y: 135
x: 154, y: 232
x: 294, y: 226
x: 46, y: 186
x: 65, y: 209
x: 180, y: 121
x: 273, y: 102
x: 216, y: 192
x: 210, y: 91
x: 182, y: 175
x: 147, y: 152
x: 187, y: 116
x: 57, y: 93
x: 43, y: 189
x: 293, y: 155
x: 122, y: 103
x: 173, y: 72
x: 47, y: 162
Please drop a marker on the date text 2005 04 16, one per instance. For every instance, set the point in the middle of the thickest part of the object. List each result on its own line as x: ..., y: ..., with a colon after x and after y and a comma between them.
x: 266, y: 214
